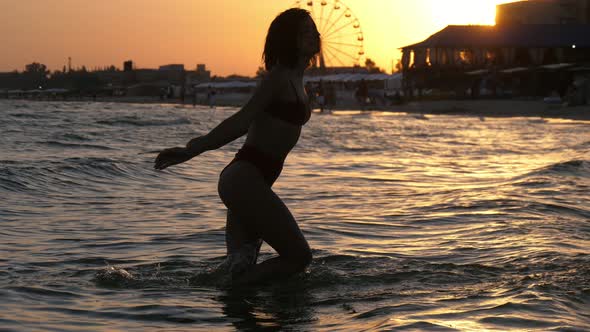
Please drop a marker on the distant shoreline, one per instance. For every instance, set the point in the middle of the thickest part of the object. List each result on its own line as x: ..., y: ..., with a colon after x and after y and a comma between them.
x: 479, y: 108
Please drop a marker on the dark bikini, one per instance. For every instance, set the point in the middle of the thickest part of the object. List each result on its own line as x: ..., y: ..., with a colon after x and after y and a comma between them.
x: 296, y: 113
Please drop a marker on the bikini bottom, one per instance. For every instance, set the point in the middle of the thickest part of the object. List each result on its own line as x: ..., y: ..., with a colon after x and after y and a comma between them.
x: 269, y: 166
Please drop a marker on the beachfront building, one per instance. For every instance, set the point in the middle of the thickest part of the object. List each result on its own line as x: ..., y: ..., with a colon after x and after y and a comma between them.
x: 512, y: 59
x: 516, y: 59
x: 174, y: 73
x: 111, y: 77
x: 544, y: 12
x: 8, y: 81
x: 201, y: 74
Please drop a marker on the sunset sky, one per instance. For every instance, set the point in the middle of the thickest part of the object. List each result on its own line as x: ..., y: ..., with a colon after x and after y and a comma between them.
x: 226, y: 35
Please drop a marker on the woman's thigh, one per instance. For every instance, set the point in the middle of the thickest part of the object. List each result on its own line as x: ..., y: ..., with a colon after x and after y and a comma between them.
x: 243, y: 190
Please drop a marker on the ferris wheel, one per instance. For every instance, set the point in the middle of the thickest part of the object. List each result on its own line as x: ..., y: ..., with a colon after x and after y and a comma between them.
x: 341, y: 33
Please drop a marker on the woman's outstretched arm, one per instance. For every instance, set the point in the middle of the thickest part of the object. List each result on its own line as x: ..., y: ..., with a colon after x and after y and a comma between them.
x: 236, y: 125
x: 228, y: 130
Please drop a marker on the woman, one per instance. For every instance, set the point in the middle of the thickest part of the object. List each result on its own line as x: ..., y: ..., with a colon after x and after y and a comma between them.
x: 273, y: 119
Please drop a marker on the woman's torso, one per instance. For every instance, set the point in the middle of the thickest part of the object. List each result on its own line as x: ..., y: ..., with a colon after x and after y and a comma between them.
x: 276, y: 130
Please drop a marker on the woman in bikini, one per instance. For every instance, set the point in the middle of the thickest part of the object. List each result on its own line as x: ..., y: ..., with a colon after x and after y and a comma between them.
x: 272, y: 119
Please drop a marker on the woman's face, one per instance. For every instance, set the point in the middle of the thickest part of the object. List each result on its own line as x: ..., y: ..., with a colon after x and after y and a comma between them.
x: 309, y: 38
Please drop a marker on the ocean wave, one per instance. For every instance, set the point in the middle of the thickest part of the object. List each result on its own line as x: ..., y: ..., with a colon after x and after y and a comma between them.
x: 11, y: 185
x: 26, y: 116
x: 42, y: 292
x: 548, y: 174
x: 59, y: 144
x: 96, y: 168
x: 572, y: 167
x: 140, y: 122
x: 97, y: 261
x: 21, y: 105
x: 69, y: 175
x: 513, y: 322
x: 75, y: 137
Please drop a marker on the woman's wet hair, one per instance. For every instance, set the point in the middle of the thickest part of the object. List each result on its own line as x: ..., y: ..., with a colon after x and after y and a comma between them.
x: 282, y: 39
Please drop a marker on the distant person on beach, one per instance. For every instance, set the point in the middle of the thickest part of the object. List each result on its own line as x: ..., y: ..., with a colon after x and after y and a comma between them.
x: 211, y: 96
x: 330, y: 97
x: 321, y: 97
x: 362, y: 93
x: 272, y: 119
x: 309, y: 90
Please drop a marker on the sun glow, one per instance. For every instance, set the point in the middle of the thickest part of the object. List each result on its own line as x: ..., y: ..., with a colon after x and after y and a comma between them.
x: 462, y: 12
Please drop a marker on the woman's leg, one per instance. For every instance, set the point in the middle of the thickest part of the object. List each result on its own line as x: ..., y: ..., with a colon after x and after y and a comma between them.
x: 242, y: 246
x: 236, y: 234
x: 251, y: 200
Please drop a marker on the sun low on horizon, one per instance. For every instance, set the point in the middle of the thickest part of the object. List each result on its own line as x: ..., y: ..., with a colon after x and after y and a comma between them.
x: 465, y: 12
x: 226, y: 35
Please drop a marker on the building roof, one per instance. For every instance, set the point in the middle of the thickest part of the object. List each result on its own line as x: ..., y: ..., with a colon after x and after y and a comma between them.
x: 517, y: 35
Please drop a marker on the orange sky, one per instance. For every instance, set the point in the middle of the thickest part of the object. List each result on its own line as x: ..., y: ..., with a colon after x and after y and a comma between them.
x: 226, y: 35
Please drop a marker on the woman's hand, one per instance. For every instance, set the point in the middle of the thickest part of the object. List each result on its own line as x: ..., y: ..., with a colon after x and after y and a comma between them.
x: 172, y: 156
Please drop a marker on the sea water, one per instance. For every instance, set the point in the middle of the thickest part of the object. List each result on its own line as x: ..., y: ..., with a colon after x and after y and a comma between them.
x: 441, y: 223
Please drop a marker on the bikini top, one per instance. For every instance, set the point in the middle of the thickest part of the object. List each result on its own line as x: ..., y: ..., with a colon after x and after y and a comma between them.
x: 294, y: 112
